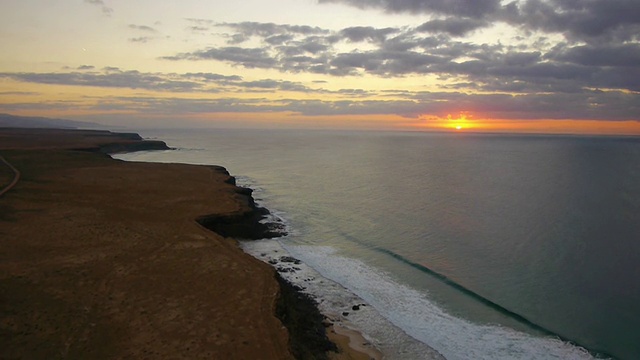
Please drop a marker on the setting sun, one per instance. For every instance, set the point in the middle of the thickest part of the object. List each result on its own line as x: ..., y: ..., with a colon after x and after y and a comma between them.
x: 461, y: 122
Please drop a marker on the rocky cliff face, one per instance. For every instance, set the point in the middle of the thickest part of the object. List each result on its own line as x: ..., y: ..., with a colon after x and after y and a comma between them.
x: 245, y: 225
x: 132, y: 146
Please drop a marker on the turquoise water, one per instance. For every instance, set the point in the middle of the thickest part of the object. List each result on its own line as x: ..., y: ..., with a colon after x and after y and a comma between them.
x: 480, y: 246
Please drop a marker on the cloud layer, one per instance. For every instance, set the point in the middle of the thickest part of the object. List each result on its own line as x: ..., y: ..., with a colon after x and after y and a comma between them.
x: 534, y: 64
x: 586, y: 104
x: 523, y: 59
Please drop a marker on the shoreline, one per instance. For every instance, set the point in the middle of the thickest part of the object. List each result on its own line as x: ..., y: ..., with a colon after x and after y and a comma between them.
x: 82, y: 255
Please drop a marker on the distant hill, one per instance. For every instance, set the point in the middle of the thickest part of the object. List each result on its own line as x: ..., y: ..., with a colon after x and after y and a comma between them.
x: 13, y: 121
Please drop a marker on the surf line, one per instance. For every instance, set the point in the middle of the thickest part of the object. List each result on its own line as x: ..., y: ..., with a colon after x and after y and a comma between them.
x: 482, y: 299
x: 443, y: 278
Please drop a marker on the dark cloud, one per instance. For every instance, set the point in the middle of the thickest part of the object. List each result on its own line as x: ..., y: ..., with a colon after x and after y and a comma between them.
x: 466, y: 8
x: 105, y: 9
x: 623, y: 55
x: 587, y: 20
x: 114, y: 79
x: 384, y: 63
x: 452, y: 26
x: 247, y: 57
x: 86, y: 67
x: 313, y: 46
x: 278, y: 39
x: 397, y: 52
x: 271, y: 84
x: 42, y: 105
x: 271, y: 29
x: 189, y: 82
x: 355, y: 92
x: 21, y: 93
x: 362, y: 33
x: 213, y: 77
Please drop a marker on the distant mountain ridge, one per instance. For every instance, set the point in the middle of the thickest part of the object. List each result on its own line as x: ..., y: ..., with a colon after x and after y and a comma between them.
x: 14, y: 121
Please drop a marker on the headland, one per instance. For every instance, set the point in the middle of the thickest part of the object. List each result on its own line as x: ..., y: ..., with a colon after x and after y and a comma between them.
x: 106, y: 259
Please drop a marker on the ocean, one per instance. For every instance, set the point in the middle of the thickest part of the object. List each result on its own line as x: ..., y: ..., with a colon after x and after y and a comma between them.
x: 472, y: 246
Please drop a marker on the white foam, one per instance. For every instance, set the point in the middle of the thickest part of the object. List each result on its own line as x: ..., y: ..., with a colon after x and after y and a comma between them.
x: 418, y: 316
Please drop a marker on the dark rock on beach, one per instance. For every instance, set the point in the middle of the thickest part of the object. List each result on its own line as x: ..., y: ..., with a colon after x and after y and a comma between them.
x: 289, y: 259
x: 299, y: 313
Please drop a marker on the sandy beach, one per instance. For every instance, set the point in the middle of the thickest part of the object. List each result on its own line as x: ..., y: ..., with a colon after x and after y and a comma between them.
x: 104, y: 259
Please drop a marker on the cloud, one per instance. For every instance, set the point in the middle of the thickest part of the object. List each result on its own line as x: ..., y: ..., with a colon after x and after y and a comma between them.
x: 213, y: 77
x: 588, y: 20
x: 476, y: 9
x: 605, y: 55
x: 112, y: 79
x: 247, y: 57
x: 452, y: 26
x: 593, y: 105
x: 362, y: 33
x: 269, y: 29
x: 385, y: 63
x: 141, y: 39
x: 21, y: 93
x: 188, y: 82
x: 587, y: 104
x: 273, y: 85
x: 536, y: 65
x: 105, y: 9
x: 142, y: 28
x: 273, y: 40
x: 197, y: 28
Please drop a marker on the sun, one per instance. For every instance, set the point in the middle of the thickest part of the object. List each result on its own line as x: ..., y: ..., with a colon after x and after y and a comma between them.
x: 459, y: 123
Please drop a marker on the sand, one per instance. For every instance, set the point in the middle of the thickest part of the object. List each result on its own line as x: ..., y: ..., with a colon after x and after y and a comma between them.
x: 103, y: 259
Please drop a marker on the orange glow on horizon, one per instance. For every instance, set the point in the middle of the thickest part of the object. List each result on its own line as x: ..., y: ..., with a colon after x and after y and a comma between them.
x: 463, y: 121
x: 541, y: 126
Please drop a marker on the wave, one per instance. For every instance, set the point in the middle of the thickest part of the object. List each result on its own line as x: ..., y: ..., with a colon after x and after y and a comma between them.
x: 421, y: 318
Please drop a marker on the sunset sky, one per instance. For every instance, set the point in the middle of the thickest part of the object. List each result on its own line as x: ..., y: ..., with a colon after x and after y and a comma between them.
x: 566, y: 66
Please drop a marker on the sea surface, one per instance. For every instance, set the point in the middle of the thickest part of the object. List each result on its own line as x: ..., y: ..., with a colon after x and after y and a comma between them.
x: 477, y: 246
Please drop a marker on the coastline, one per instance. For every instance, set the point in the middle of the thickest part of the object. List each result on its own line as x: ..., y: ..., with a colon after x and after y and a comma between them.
x: 108, y: 273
